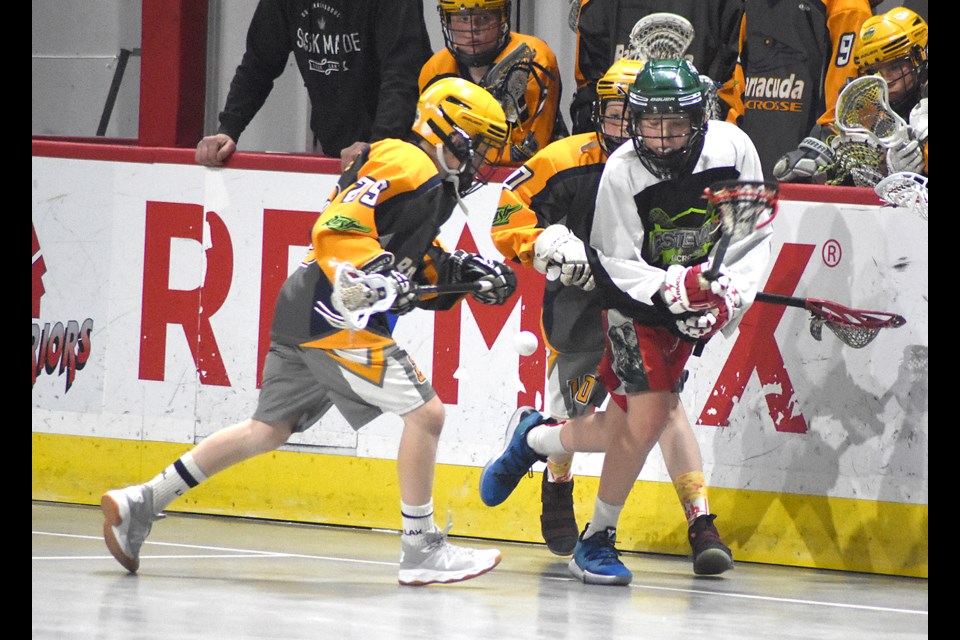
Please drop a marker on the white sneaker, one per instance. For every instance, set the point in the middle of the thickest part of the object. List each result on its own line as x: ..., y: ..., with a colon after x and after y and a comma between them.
x: 441, y: 562
x: 127, y: 519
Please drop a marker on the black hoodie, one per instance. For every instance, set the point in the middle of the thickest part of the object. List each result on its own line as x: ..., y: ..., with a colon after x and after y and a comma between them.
x: 359, y: 60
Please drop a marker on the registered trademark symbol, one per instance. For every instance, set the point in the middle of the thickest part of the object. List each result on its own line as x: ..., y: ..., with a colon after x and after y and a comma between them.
x: 831, y: 253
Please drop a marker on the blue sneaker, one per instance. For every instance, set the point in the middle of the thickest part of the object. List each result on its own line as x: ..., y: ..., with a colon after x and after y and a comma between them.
x: 596, y: 559
x: 502, y: 473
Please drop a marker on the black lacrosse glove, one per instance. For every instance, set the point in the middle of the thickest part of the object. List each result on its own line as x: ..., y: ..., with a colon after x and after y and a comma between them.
x: 470, y: 267
x: 406, y: 300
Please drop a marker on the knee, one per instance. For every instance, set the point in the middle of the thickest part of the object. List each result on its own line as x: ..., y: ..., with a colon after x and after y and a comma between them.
x: 428, y: 418
x: 268, y: 437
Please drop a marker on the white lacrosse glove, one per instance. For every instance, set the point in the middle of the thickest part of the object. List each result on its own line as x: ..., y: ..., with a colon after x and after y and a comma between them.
x: 684, y: 289
x: 810, y: 159
x: 905, y: 156
x: 918, y: 120
x: 406, y: 300
x: 558, y: 246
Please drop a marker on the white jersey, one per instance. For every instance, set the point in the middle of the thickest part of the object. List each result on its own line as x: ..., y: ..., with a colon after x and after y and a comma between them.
x: 643, y: 224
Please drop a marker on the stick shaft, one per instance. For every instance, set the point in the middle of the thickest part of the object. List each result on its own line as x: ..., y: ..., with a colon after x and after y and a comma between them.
x: 776, y: 298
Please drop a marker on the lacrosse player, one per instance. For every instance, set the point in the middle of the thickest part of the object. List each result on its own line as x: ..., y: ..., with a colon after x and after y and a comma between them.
x: 892, y: 45
x: 520, y: 70
x: 543, y: 221
x: 650, y: 240
x: 385, y: 221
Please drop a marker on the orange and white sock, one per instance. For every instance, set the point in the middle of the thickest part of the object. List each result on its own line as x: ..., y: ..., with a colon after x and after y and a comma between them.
x: 692, y: 491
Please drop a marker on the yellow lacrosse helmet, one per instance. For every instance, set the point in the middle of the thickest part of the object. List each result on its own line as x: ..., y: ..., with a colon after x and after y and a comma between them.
x: 470, y: 18
x: 894, y: 34
x: 466, y: 120
x: 613, y: 85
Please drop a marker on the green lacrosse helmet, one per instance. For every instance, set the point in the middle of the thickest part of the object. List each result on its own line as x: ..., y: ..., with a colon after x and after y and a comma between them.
x: 668, y: 87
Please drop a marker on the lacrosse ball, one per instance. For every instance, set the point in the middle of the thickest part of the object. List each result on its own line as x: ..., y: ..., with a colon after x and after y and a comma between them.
x: 525, y: 343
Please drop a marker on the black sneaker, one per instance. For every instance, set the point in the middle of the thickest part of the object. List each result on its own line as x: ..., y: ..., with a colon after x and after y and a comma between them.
x: 710, y: 555
x: 558, y: 524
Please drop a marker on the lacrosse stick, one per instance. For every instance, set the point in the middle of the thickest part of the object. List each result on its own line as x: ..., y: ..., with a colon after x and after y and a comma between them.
x: 507, y: 80
x: 573, y: 15
x: 660, y: 35
x: 854, y: 327
x: 357, y: 295
x: 858, y: 157
x: 904, y: 189
x: 741, y: 206
x: 864, y: 107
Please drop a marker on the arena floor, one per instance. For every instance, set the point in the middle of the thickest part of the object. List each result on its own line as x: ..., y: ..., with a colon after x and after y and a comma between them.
x: 217, y: 578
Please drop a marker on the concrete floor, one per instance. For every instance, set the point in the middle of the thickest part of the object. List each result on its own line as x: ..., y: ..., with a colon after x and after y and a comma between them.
x: 217, y: 578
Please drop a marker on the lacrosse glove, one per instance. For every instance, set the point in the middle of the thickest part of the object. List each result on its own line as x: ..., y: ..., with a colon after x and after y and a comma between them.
x: 806, y: 163
x: 705, y: 324
x: 684, y: 289
x: 470, y: 267
x: 918, y: 120
x: 906, y: 156
x: 556, y: 246
x: 406, y: 300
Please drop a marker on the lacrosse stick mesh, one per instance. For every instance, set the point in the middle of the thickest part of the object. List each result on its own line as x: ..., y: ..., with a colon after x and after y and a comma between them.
x: 856, y: 160
x: 904, y: 189
x: 864, y: 107
x: 741, y: 205
x: 573, y: 16
x: 660, y: 35
x: 856, y: 337
x: 507, y: 80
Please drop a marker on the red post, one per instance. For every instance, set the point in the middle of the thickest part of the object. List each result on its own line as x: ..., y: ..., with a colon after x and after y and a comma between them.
x: 173, y: 70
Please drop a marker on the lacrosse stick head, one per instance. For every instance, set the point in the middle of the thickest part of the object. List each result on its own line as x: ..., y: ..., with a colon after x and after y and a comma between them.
x: 743, y: 206
x: 610, y: 119
x: 357, y: 295
x: 904, y: 189
x: 475, y: 31
x: 507, y: 80
x: 858, y: 158
x: 854, y: 327
x: 660, y: 35
x: 863, y: 106
x: 573, y: 15
x: 668, y: 119
x: 458, y: 117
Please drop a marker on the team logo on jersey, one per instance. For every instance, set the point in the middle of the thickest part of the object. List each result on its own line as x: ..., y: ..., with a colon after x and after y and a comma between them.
x: 671, y: 243
x: 774, y: 94
x: 503, y: 214
x: 343, y: 223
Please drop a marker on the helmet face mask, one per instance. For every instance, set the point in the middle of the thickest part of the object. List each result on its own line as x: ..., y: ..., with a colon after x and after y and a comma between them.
x: 668, y: 120
x: 475, y: 31
x: 467, y: 128
x: 610, y: 112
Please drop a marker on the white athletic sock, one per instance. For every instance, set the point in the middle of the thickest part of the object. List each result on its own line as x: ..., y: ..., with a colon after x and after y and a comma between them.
x: 174, y: 481
x: 545, y: 439
x: 604, y: 515
x: 417, y: 520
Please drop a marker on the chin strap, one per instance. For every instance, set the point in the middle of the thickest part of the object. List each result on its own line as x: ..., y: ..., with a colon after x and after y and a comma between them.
x: 452, y: 177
